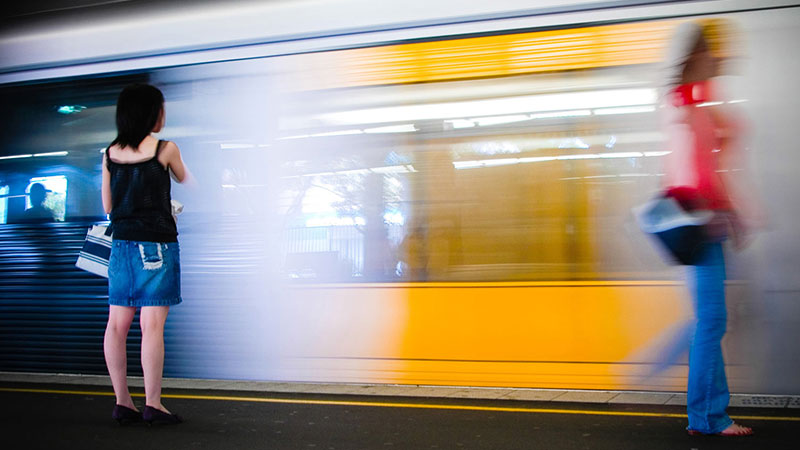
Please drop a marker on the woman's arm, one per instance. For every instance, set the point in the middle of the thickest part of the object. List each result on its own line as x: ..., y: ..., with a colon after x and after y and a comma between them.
x: 171, y: 158
x: 106, y: 187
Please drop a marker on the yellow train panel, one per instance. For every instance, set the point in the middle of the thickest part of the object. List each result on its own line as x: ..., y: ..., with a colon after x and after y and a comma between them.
x: 590, y: 335
x: 486, y: 56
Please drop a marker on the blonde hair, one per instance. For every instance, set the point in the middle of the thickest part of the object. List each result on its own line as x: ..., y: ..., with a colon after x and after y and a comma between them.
x: 720, y: 35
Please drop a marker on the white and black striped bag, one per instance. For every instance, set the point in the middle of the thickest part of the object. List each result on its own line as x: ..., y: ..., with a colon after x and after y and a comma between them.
x: 96, y: 251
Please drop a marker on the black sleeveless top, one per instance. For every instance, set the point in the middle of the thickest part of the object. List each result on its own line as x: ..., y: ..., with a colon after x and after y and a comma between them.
x: 141, y: 208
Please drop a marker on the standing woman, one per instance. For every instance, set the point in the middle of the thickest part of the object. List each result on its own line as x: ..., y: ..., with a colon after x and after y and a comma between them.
x: 144, y: 268
x: 699, y: 137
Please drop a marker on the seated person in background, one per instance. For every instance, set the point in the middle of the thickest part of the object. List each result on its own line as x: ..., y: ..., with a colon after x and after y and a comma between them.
x: 37, y: 213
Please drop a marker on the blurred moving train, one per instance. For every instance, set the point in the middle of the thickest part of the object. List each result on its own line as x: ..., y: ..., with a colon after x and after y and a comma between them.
x: 431, y: 193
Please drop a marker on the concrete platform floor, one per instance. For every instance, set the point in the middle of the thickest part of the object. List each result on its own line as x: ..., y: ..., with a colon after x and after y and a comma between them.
x: 39, y: 412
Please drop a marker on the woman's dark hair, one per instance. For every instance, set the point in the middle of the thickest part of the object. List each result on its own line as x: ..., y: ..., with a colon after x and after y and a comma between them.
x: 138, y: 110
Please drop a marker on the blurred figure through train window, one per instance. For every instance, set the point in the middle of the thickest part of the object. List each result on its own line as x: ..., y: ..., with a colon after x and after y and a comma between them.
x: 38, y: 212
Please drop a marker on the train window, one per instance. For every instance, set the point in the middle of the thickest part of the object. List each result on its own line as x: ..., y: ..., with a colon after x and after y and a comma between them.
x: 366, y: 172
x: 4, y: 204
x: 49, y: 192
x: 534, y: 184
x: 353, y: 166
x: 52, y: 136
x: 343, y: 223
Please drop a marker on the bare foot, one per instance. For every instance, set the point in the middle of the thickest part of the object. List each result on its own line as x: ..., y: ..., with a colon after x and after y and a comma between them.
x: 736, y: 430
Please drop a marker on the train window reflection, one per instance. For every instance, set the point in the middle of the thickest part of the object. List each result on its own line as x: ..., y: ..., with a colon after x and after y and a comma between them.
x: 345, y: 224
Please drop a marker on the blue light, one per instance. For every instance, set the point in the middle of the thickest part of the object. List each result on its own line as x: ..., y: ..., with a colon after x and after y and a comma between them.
x: 70, y: 109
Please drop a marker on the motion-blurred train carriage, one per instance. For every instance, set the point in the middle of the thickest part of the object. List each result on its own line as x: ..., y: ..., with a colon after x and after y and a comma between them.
x: 414, y: 194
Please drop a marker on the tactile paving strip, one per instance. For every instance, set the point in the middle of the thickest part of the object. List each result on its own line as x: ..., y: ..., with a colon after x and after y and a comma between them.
x: 759, y: 401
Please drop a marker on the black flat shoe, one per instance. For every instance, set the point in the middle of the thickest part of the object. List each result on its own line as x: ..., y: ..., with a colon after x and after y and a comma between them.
x: 125, y: 415
x: 155, y: 416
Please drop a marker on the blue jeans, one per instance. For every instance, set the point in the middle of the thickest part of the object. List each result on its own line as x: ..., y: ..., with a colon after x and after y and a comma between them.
x: 707, y: 392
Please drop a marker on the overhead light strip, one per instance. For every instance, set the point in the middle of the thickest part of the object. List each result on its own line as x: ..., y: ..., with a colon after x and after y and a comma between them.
x: 34, y: 155
x: 511, y: 161
x: 576, y: 102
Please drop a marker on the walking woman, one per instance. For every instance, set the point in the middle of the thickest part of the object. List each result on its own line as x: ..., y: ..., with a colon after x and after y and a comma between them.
x: 699, y: 136
x: 144, y: 268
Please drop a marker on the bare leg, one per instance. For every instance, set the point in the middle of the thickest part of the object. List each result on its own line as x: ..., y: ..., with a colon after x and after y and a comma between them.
x: 152, y: 319
x: 119, y: 322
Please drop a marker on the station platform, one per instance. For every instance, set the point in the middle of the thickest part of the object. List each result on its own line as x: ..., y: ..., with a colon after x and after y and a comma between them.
x: 71, y: 411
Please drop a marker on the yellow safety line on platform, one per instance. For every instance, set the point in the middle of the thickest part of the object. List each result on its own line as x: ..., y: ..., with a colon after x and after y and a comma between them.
x: 397, y: 405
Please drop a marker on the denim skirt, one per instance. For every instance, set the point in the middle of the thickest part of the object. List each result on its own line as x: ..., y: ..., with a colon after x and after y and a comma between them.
x: 144, y: 273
